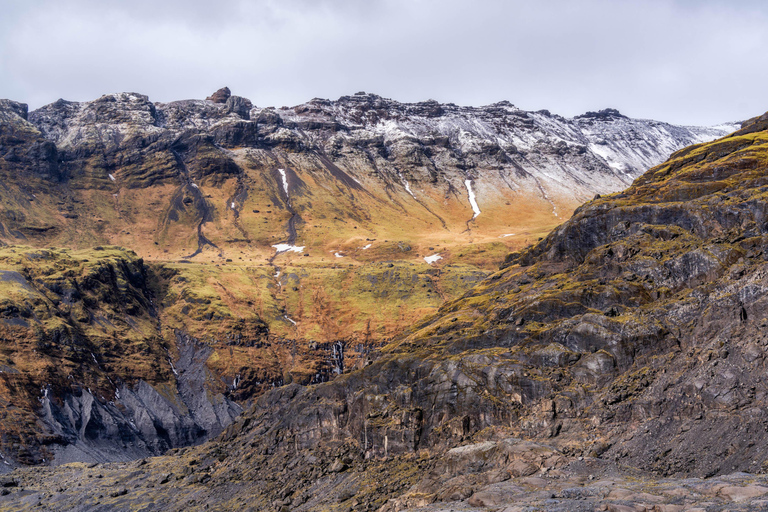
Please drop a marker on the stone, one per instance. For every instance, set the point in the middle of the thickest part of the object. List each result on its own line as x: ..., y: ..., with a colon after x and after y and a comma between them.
x: 738, y: 493
x: 338, y: 466
x: 220, y: 96
x: 240, y: 106
x: 7, y: 481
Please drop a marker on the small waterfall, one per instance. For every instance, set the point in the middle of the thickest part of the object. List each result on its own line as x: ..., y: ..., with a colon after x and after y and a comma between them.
x: 337, y: 357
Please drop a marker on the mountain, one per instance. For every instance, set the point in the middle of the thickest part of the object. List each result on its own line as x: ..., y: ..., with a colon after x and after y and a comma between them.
x: 617, y: 363
x: 201, y: 179
x: 267, y: 247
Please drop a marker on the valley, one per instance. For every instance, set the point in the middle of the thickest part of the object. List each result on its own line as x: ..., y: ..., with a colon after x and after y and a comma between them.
x: 370, y: 305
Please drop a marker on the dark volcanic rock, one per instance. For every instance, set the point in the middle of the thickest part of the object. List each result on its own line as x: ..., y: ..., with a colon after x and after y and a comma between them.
x: 20, y: 109
x: 90, y: 366
x: 240, y: 106
x: 220, y: 96
x: 605, y: 114
x: 23, y: 149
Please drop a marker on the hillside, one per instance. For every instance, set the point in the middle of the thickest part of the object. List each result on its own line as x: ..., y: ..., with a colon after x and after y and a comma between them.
x: 626, y: 346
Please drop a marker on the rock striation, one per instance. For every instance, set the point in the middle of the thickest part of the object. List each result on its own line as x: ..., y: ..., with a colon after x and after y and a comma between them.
x: 86, y: 374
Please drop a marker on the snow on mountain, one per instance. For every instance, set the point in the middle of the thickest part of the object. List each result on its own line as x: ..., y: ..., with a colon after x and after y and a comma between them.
x: 594, y: 153
x: 481, y: 170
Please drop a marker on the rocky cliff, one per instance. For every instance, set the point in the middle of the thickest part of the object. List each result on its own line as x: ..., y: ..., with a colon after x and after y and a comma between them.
x: 630, y: 337
x: 85, y: 371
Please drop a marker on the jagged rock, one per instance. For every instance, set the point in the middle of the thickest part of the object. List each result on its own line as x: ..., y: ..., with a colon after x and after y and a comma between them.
x: 220, y: 96
x: 10, y: 107
x: 426, y: 156
x: 95, y: 381
x: 605, y: 114
x: 240, y: 106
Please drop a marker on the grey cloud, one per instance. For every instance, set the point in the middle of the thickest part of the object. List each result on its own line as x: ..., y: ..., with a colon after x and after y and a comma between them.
x: 677, y: 60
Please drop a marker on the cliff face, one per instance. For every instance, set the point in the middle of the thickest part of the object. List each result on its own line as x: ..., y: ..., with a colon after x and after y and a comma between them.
x: 85, y: 372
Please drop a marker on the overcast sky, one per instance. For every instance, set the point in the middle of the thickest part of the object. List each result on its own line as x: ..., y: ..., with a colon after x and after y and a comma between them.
x: 683, y: 61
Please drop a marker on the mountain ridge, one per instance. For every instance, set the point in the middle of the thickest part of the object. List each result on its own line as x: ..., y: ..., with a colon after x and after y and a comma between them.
x: 426, y: 157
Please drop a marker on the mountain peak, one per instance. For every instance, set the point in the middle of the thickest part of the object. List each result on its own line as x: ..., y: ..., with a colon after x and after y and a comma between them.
x: 20, y: 109
x: 606, y: 113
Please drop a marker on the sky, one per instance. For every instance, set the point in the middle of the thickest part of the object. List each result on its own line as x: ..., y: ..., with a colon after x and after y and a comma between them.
x: 681, y: 61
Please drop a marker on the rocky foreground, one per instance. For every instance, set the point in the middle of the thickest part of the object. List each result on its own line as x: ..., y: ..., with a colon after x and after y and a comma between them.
x: 505, y: 476
x: 618, y: 364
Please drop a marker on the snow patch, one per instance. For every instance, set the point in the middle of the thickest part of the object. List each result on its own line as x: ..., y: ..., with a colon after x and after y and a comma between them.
x: 290, y: 319
x: 285, y: 181
x: 509, y: 234
x: 606, y: 154
x: 111, y: 177
x: 472, y: 200
x: 367, y: 246
x: 288, y: 247
x: 232, y: 205
x: 432, y: 259
x: 338, y: 255
x: 195, y: 185
x: 406, y: 184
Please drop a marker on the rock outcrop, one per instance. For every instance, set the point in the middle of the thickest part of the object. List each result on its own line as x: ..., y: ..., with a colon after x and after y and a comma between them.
x: 220, y: 96
x: 632, y: 336
x: 86, y: 374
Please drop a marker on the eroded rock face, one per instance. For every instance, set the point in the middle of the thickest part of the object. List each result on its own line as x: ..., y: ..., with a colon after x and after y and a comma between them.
x: 582, y: 339
x: 658, y: 293
x: 86, y: 367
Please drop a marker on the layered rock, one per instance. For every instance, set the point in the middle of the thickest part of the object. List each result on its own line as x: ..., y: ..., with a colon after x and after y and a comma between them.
x: 86, y: 373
